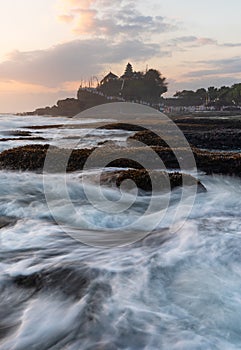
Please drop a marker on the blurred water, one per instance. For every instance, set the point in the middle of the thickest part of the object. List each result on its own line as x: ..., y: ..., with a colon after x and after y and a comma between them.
x: 62, y: 136
x: 171, y: 290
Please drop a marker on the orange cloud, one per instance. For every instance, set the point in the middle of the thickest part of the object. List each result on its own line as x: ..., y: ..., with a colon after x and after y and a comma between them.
x: 66, y: 18
x: 85, y: 22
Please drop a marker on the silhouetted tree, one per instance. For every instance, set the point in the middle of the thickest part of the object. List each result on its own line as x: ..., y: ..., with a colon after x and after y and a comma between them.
x: 137, y: 86
x: 128, y: 71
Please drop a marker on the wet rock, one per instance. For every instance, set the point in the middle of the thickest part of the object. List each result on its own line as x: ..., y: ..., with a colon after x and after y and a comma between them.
x: 34, y: 138
x: 32, y: 158
x: 106, y: 142
x: 24, y: 158
x: 122, y: 126
x: 205, y: 134
x: 50, y: 126
x: 206, y: 124
x: 66, y: 280
x: 149, y: 180
x: 7, y: 221
x: 150, y: 138
x: 218, y: 163
x: 70, y: 282
x: 216, y: 139
x: 17, y: 133
x: 223, y: 134
x: 7, y: 329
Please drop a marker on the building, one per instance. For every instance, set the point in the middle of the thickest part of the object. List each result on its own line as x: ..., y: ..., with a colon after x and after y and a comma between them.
x: 109, y: 77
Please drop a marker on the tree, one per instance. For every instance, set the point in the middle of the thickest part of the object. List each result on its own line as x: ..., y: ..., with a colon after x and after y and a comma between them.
x: 201, y: 95
x: 212, y: 93
x: 128, y: 71
x: 155, y: 83
x: 188, y: 98
x: 137, y: 86
x: 235, y: 93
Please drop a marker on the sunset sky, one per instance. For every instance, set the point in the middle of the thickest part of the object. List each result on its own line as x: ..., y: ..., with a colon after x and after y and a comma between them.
x: 49, y: 46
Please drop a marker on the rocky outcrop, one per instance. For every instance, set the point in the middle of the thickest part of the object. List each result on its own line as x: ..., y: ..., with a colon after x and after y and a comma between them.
x: 32, y: 158
x: 148, y: 138
x: 217, y: 139
x: 68, y: 107
x: 149, y: 180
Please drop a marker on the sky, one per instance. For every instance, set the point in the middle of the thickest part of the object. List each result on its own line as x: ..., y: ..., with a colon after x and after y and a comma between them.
x: 49, y: 47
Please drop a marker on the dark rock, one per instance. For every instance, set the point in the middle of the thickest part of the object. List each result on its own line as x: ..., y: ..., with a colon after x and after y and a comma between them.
x: 122, y: 126
x: 24, y: 158
x: 71, y: 282
x: 145, y: 180
x: 150, y: 138
x: 37, y: 138
x: 106, y: 142
x: 206, y: 124
x: 66, y: 280
x: 223, y: 134
x: 68, y: 107
x: 17, y: 133
x: 7, y: 221
x: 32, y: 158
x: 40, y: 127
x: 201, y: 133
x: 216, y: 139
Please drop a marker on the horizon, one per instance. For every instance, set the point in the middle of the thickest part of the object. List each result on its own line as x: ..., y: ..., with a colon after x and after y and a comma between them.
x: 52, y: 46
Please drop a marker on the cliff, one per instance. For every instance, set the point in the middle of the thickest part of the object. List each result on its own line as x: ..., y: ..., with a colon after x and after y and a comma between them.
x: 71, y: 106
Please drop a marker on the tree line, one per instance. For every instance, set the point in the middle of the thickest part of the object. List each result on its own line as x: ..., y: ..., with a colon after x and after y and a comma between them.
x: 212, y: 96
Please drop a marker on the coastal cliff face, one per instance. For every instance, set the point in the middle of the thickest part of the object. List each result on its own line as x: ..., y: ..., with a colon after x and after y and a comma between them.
x: 71, y: 106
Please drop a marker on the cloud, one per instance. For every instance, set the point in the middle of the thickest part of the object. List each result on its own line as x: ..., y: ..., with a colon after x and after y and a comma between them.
x: 113, y: 18
x: 231, y: 44
x: 192, y: 41
x: 73, y: 61
x: 66, y: 18
x: 86, y: 21
x: 110, y: 32
x: 219, y: 67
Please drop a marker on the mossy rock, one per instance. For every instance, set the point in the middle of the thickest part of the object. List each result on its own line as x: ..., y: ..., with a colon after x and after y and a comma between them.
x: 149, y: 180
x: 32, y: 158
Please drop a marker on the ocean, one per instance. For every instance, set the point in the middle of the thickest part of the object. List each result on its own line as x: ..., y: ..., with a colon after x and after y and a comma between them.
x: 176, y: 288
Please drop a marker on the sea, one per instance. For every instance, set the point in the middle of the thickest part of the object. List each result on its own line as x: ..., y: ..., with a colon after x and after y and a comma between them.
x: 175, y: 288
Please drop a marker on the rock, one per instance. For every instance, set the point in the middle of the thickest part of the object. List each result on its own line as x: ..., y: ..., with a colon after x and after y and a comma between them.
x: 64, y: 279
x: 150, y: 138
x: 7, y: 221
x: 32, y: 158
x: 144, y: 179
x: 37, y: 138
x: 201, y: 133
x: 122, y: 126
x: 68, y: 107
x: 216, y: 139
x: 22, y: 133
x: 70, y: 281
